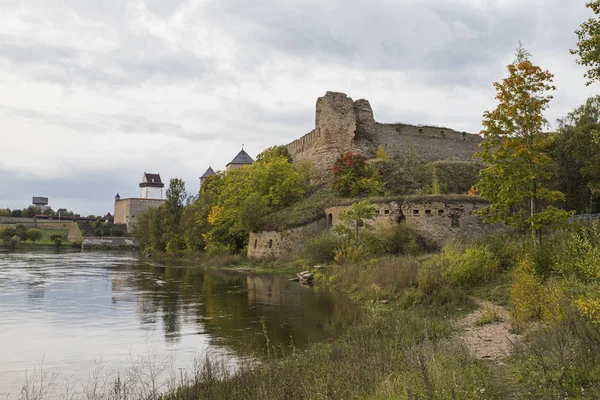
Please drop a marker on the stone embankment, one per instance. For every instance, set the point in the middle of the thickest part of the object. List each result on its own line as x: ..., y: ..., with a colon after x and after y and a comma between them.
x: 109, y: 243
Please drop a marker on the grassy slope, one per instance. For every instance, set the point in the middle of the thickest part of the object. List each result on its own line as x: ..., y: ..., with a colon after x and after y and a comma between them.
x: 311, y: 208
x: 47, y: 234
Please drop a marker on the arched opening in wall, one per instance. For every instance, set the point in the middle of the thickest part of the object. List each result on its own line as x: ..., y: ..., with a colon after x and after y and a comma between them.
x: 443, y: 133
x: 421, y: 131
x: 463, y: 135
x: 329, y: 220
x: 270, y: 243
x: 255, y: 242
x: 454, y: 221
x: 401, y: 219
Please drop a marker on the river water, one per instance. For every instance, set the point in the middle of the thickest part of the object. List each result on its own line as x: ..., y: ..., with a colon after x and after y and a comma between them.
x: 72, y: 317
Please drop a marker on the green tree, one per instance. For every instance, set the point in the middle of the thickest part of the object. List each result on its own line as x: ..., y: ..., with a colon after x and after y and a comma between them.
x: 13, y: 242
x: 576, y: 152
x: 355, y: 220
x: 7, y: 233
x: 516, y: 151
x: 5, y: 212
x: 21, y: 232
x: 30, y: 211
x: 353, y: 177
x: 588, y: 44
x: 34, y: 234
x: 172, y: 210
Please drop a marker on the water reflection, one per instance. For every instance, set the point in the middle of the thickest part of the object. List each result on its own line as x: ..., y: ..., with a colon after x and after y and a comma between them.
x: 235, y: 310
x: 73, y: 309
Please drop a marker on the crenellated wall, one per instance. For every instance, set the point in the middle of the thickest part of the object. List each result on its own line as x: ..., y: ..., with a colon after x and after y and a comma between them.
x: 342, y: 124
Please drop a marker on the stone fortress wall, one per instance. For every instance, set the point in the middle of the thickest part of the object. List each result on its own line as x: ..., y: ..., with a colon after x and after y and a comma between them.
x: 342, y: 124
x: 437, y: 220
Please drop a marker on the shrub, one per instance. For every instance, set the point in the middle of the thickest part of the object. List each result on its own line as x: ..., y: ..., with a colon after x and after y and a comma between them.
x: 526, y: 295
x: 472, y: 265
x: 34, y: 234
x: 13, y: 242
x: 505, y: 248
x: 562, y: 362
x: 431, y: 276
x: 578, y: 254
x: 392, y: 238
x: 489, y: 315
x: 354, y: 177
x: 320, y: 249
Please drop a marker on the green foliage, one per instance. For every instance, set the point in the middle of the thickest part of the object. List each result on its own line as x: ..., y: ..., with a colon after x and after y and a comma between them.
x: 34, y: 234
x: 171, y: 212
x: 588, y: 44
x: 578, y: 254
x: 561, y: 362
x: 320, y: 249
x: 6, y: 234
x: 354, y: 221
x: 13, y: 242
x: 5, y: 212
x: 575, y: 150
x: 516, y: 151
x: 431, y: 277
x: 303, y: 211
x: 392, y: 238
x: 456, y: 176
x: 381, y: 154
x: 489, y: 315
x: 58, y: 241
x: 406, y: 176
x: 435, y: 187
x: 355, y: 178
x: 471, y: 265
x: 228, y: 207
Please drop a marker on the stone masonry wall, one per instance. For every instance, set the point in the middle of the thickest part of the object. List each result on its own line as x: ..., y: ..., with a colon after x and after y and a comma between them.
x: 275, y: 244
x: 342, y: 124
x: 74, y: 234
x: 127, y: 210
x: 435, y: 220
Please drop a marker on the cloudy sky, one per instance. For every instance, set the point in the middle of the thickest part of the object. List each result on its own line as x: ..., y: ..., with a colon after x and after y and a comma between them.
x: 94, y: 93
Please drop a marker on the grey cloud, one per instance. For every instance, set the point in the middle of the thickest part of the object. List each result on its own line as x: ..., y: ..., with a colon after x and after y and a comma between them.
x: 92, y: 123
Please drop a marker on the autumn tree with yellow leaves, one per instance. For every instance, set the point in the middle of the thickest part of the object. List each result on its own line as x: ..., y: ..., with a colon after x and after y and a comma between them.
x: 516, y: 151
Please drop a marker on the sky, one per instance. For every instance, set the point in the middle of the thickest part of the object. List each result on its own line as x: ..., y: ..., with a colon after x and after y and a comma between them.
x: 95, y: 93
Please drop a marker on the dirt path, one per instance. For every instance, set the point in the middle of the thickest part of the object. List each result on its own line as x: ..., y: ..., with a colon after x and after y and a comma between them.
x: 491, y: 341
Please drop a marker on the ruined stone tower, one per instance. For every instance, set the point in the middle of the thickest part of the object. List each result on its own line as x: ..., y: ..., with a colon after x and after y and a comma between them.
x: 342, y: 124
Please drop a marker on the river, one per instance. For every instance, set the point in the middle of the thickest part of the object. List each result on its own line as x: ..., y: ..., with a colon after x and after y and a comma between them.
x: 78, y: 317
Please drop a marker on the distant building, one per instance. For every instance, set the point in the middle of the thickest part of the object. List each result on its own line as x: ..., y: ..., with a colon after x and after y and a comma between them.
x: 209, y: 172
x: 127, y: 210
x: 240, y: 160
x: 151, y: 186
x: 40, y: 202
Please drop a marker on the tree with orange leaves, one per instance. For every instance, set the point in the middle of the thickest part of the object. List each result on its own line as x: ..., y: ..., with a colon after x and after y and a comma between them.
x: 516, y: 151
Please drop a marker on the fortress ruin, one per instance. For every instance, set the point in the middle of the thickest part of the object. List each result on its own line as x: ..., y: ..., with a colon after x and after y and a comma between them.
x: 342, y: 124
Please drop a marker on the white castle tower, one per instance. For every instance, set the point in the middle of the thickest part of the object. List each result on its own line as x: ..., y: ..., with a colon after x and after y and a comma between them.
x: 151, y: 187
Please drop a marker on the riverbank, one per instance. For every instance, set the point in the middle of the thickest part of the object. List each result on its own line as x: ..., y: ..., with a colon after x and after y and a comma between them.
x: 496, y: 318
